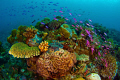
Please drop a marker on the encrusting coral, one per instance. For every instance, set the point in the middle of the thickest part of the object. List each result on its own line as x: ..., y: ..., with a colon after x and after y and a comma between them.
x: 56, y: 64
x: 43, y: 46
x: 21, y: 50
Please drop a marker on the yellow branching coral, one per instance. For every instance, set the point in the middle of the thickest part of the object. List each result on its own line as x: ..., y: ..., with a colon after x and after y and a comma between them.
x: 30, y: 33
x: 43, y: 46
x: 56, y: 64
x: 21, y: 50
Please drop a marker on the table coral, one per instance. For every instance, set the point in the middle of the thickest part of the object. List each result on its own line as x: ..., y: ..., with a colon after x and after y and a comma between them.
x: 55, y: 64
x: 21, y: 50
x: 43, y: 46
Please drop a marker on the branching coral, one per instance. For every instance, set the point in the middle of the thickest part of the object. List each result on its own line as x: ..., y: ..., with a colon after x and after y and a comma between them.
x: 30, y: 33
x: 56, y: 64
x: 107, y: 66
x: 21, y: 50
x: 43, y: 46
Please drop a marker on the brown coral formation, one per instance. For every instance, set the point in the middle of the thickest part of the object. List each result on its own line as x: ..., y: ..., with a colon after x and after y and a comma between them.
x: 31, y: 62
x: 30, y: 33
x: 56, y: 64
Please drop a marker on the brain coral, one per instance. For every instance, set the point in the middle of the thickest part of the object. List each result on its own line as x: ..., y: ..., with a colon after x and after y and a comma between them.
x: 56, y: 64
x: 21, y: 50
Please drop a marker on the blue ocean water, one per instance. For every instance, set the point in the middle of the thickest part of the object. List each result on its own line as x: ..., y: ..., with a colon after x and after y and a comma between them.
x: 14, y: 13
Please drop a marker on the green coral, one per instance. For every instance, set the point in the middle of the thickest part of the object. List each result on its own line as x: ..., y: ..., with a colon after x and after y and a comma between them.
x: 45, y: 22
x: 21, y: 50
x: 65, y: 31
x: 17, y: 35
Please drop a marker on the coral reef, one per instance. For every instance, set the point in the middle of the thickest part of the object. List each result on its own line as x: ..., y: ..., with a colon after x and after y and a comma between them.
x: 56, y: 23
x: 21, y: 50
x: 61, y: 51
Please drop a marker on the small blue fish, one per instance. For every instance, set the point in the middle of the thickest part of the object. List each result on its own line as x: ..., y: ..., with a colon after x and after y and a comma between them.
x: 32, y: 16
x: 56, y: 19
x: 46, y: 26
x: 43, y: 23
x: 50, y: 2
